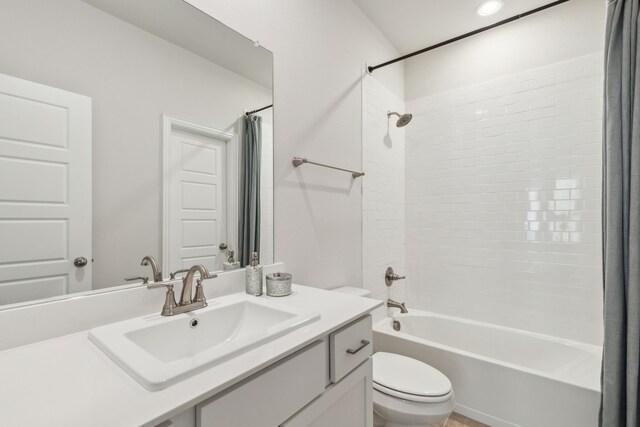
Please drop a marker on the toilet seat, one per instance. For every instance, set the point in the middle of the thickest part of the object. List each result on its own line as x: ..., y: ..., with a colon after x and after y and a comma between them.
x: 409, y: 379
x: 411, y: 397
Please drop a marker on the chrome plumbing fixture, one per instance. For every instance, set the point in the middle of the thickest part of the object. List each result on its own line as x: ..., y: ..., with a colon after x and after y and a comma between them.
x: 188, y: 301
x: 395, y: 304
x: 390, y: 277
x: 175, y: 273
x: 403, y: 119
x: 149, y: 260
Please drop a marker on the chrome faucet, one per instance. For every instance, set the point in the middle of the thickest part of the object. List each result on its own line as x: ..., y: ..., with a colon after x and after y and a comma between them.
x: 188, y: 301
x: 149, y: 260
x: 187, y: 285
x: 396, y: 304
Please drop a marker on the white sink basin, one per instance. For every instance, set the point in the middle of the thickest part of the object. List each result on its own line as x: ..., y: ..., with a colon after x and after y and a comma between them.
x: 159, y: 351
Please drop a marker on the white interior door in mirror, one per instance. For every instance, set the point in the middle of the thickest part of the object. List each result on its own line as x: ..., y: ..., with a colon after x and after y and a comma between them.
x: 45, y: 191
x: 200, y: 195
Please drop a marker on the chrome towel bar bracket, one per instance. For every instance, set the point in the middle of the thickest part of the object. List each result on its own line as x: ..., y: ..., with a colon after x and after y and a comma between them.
x: 297, y: 161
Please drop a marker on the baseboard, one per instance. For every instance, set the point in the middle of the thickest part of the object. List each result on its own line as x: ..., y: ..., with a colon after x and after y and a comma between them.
x: 482, y: 417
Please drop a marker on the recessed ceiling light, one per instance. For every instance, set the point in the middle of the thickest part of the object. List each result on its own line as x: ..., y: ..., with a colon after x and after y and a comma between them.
x: 489, y: 7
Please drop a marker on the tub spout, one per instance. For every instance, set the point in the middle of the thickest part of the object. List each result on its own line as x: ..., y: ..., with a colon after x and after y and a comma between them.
x: 396, y: 304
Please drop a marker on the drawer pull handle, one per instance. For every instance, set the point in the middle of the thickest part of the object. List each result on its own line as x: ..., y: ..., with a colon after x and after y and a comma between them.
x: 364, y: 344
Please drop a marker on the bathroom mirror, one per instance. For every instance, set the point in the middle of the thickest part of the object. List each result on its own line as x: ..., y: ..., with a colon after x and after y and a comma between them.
x: 123, y: 134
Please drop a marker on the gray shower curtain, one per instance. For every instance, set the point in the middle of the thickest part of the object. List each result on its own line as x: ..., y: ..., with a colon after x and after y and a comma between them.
x: 249, y: 208
x: 621, y: 217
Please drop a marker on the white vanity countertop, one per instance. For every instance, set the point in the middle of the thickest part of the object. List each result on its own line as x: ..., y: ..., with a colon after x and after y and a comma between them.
x: 68, y: 381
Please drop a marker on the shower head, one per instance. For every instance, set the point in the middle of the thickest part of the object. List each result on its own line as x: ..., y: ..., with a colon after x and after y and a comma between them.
x: 403, y: 119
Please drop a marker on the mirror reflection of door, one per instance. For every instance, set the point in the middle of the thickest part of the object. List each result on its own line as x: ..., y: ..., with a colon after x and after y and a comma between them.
x: 200, y: 192
x: 45, y: 191
x: 175, y: 60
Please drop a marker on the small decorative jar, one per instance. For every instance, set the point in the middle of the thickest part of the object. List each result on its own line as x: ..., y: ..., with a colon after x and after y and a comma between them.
x: 278, y: 284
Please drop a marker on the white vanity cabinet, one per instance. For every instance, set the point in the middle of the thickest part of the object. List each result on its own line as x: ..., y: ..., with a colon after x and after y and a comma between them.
x: 317, y: 375
x: 326, y: 384
x: 347, y: 401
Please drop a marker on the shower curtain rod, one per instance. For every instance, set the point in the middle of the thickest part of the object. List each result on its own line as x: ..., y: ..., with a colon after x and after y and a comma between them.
x: 464, y: 36
x: 248, y: 113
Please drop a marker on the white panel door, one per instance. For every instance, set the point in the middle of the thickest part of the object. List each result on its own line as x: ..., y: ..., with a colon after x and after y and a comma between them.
x: 197, y: 199
x: 45, y: 191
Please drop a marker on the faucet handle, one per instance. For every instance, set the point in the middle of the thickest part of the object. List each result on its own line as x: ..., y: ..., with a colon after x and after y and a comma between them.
x: 200, y: 290
x: 200, y: 293
x: 144, y: 279
x: 173, y: 275
x: 170, y: 298
x: 390, y: 276
x: 186, y: 270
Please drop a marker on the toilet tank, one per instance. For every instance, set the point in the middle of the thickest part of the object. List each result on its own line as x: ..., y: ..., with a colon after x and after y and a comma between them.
x: 352, y: 290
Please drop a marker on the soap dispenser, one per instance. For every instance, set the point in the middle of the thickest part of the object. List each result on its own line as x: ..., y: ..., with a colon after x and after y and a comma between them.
x: 254, y: 276
x: 231, y: 263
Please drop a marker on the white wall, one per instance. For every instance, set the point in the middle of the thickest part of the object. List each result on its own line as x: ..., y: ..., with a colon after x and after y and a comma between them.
x: 567, y: 31
x: 133, y: 78
x: 503, y: 200
x: 320, y: 48
x: 383, y: 191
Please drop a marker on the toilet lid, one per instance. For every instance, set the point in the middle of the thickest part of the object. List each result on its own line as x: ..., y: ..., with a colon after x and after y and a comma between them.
x: 406, y: 377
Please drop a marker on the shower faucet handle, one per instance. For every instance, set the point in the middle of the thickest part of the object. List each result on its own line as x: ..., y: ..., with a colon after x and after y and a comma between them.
x: 390, y: 277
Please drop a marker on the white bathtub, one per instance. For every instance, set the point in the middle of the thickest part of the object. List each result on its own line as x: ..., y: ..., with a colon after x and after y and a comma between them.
x: 502, y: 376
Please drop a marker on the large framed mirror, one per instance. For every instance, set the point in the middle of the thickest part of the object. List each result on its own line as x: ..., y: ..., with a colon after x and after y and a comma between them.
x: 126, y: 132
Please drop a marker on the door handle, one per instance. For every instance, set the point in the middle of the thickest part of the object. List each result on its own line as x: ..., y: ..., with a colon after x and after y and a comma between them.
x: 80, y: 261
x: 223, y: 246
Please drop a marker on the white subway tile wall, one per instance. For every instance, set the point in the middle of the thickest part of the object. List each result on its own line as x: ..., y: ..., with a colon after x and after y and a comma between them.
x: 383, y: 159
x: 503, y: 184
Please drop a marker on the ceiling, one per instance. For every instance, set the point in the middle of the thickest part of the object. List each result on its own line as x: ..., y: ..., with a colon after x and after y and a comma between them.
x: 184, y: 25
x: 411, y: 25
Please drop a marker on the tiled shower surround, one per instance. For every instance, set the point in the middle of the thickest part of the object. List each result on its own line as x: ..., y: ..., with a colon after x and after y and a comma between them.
x: 503, y: 184
x: 383, y: 239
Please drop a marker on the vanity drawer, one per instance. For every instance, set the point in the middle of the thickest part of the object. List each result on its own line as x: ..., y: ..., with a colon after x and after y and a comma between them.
x: 349, y: 347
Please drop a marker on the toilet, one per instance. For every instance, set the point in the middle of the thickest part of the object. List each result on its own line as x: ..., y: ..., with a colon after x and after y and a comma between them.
x: 409, y: 393
x: 406, y: 391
